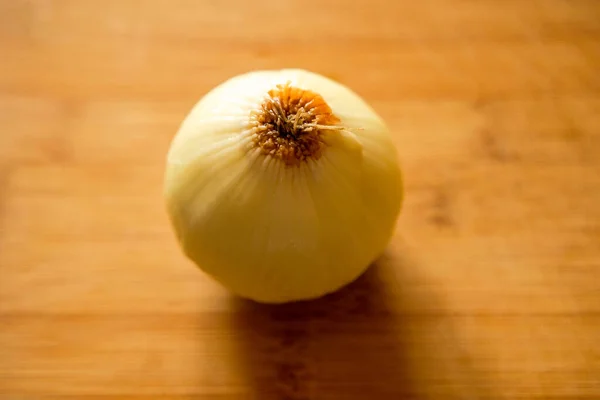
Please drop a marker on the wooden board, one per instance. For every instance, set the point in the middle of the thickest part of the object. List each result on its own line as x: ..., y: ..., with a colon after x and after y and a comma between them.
x: 489, y: 290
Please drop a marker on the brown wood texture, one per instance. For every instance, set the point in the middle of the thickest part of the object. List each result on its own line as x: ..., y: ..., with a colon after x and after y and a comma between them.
x: 489, y: 290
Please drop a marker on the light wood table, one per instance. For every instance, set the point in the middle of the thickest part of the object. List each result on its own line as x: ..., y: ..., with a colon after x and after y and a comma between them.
x: 489, y: 290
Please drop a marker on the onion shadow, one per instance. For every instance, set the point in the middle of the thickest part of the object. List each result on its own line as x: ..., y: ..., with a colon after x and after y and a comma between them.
x: 384, y: 336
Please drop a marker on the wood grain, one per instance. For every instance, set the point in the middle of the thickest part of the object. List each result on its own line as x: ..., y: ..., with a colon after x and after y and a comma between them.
x: 489, y: 290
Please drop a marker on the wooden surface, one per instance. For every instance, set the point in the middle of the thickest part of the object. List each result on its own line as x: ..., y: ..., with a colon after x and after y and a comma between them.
x: 490, y: 289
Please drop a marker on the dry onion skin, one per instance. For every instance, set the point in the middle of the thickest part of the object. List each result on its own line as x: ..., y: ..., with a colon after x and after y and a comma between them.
x: 283, y: 185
